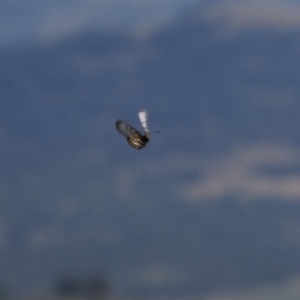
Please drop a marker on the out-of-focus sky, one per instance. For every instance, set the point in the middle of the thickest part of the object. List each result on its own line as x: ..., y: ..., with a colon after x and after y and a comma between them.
x: 34, y: 20
x: 227, y: 105
x: 22, y: 20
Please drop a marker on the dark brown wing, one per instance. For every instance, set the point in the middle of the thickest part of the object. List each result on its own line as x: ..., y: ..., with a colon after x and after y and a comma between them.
x: 126, y: 129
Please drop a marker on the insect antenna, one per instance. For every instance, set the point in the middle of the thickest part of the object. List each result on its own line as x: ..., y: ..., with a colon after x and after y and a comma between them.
x: 155, y: 132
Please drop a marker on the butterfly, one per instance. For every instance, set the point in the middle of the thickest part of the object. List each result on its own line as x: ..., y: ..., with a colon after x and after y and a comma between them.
x: 135, y: 138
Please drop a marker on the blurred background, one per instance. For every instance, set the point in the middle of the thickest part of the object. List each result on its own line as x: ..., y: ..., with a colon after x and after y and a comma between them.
x: 209, y: 209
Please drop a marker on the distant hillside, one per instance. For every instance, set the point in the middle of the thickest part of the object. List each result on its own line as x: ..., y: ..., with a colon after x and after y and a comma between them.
x: 194, y: 211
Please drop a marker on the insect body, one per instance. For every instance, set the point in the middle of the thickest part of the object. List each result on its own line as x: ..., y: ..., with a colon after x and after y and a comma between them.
x: 135, y: 139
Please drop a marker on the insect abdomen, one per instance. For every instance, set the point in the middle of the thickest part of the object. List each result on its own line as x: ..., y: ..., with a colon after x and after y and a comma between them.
x: 137, y: 141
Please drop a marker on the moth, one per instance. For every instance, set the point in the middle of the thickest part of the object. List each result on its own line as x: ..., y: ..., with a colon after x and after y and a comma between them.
x: 135, y: 138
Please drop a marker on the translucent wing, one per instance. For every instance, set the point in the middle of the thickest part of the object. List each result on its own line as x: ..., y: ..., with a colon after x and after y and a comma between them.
x: 143, y: 115
x: 125, y: 129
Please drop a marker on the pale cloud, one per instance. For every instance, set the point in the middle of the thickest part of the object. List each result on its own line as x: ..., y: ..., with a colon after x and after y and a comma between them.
x: 289, y: 289
x: 127, y: 178
x: 238, y: 174
x: 28, y: 20
x: 239, y: 15
x: 47, y: 21
x: 160, y: 275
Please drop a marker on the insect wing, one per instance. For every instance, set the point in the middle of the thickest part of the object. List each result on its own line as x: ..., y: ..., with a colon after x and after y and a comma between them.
x: 143, y: 116
x: 126, y: 129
